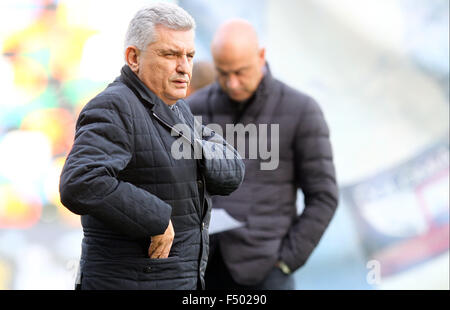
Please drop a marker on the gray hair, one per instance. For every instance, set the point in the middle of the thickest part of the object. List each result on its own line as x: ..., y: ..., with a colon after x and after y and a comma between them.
x: 141, y: 30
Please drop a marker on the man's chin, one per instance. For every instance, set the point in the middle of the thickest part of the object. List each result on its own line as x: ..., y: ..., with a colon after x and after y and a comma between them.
x: 237, y: 95
x: 238, y: 98
x: 178, y: 94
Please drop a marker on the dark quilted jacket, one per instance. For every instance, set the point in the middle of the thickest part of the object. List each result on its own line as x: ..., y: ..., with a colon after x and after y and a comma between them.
x: 266, y: 201
x: 120, y: 176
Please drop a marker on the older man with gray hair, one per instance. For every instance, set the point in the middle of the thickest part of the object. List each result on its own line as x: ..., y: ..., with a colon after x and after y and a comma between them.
x: 145, y: 214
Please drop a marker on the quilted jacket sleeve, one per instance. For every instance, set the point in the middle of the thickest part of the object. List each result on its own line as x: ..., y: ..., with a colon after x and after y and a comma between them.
x: 221, y: 164
x: 315, y: 175
x: 89, y: 185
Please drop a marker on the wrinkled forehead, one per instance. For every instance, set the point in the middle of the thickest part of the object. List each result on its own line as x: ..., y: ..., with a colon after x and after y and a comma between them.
x: 180, y: 40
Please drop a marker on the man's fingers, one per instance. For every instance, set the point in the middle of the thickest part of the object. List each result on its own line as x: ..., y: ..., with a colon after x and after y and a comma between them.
x: 155, y: 253
x: 160, y: 245
x: 159, y: 248
x: 163, y: 249
x: 153, y: 249
x: 166, y: 250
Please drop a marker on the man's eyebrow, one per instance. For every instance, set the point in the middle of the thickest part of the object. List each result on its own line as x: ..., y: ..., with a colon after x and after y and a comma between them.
x: 172, y: 51
x: 167, y: 50
x: 232, y: 71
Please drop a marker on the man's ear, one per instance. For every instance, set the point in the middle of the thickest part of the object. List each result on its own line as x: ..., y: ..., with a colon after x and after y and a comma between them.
x: 262, y: 56
x: 132, y: 58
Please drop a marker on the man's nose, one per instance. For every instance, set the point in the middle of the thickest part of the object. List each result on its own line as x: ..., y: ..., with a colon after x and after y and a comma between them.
x: 232, y: 82
x: 183, y: 64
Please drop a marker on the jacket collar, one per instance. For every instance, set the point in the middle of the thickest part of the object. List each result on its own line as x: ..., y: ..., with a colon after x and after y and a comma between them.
x: 262, y: 98
x: 266, y: 82
x: 137, y: 86
x: 144, y: 94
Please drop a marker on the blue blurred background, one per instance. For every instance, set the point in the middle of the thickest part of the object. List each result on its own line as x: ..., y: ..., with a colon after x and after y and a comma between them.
x: 379, y: 69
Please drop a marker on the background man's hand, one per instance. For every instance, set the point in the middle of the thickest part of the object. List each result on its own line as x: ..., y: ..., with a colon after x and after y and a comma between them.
x: 161, y: 244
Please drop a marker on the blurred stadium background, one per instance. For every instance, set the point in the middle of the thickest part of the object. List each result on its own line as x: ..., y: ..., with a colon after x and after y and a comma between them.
x: 380, y: 70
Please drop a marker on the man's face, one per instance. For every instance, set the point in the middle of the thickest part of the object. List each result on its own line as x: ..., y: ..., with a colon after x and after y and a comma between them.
x: 239, y: 72
x: 165, y: 67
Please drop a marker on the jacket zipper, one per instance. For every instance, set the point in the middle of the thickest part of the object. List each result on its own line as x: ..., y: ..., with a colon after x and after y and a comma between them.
x: 170, y: 127
x: 179, y: 133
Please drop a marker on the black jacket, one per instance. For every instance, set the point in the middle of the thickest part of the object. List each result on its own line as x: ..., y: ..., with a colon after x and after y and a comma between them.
x: 266, y: 201
x: 120, y: 176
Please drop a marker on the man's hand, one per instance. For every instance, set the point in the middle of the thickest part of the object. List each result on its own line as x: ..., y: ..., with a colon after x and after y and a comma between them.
x: 161, y: 244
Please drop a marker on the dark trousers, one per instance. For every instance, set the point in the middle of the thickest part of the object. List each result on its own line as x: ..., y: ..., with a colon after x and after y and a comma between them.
x: 217, y: 277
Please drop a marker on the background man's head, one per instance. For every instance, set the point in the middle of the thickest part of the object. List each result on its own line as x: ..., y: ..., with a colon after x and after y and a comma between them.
x: 238, y: 59
x: 159, y: 49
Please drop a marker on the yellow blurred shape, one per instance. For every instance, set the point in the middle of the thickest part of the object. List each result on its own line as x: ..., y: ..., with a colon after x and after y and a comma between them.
x: 51, y: 36
x: 57, y: 124
x: 15, y: 211
x: 30, y: 75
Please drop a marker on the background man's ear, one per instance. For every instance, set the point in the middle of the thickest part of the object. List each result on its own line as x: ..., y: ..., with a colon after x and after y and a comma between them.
x: 132, y: 58
x: 262, y: 55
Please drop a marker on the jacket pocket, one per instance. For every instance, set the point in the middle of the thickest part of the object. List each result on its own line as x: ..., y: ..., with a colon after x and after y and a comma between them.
x: 163, y: 260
